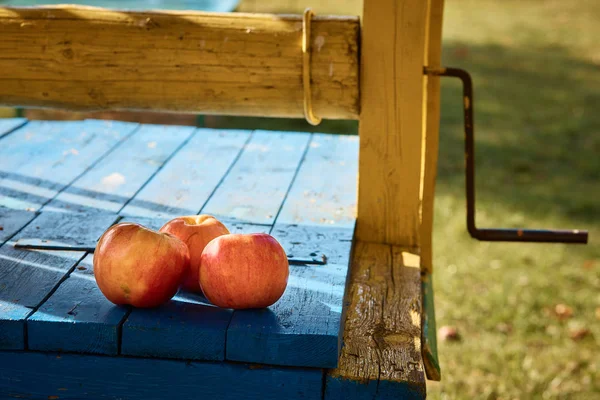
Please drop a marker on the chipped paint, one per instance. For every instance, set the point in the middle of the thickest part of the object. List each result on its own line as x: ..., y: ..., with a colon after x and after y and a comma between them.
x: 114, y: 179
x: 319, y: 42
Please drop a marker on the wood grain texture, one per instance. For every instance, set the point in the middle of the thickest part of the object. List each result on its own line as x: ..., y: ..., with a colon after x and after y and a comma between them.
x: 186, y: 182
x: 7, y: 125
x: 237, y: 64
x: 232, y: 225
x: 115, y: 179
x: 185, y: 328
x: 28, y: 277
x: 62, y: 376
x: 319, y: 242
x: 304, y: 327
x: 392, y: 49
x: 381, y: 356
x: 429, y: 336
x: 301, y: 329
x: 255, y: 187
x: 326, y: 184
x: 76, y: 318
x: 11, y: 221
x: 42, y: 158
x: 431, y: 128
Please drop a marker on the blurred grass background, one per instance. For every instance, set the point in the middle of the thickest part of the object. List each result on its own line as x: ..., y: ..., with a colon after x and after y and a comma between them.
x: 527, y: 315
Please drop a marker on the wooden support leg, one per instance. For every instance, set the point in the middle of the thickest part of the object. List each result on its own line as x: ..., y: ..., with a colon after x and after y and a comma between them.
x: 431, y: 125
x: 393, y: 38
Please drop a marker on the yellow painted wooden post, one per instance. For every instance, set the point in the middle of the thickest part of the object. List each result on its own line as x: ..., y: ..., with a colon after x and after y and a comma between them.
x: 392, y: 52
x: 431, y: 125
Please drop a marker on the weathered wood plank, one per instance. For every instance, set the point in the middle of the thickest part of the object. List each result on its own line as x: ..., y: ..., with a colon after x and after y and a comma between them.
x: 255, y: 187
x: 11, y: 221
x: 94, y: 377
x: 318, y: 242
x: 187, y: 327
x: 114, y: 180
x: 381, y: 356
x: 76, y: 318
x: 328, y: 177
x: 236, y: 64
x: 185, y: 183
x: 182, y: 328
x: 431, y: 128
x: 42, y: 158
x: 392, y: 49
x: 7, y: 125
x: 303, y: 327
x: 28, y: 277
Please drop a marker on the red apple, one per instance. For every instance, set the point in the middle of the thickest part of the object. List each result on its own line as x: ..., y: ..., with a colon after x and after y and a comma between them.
x: 244, y: 271
x: 195, y: 231
x: 138, y: 266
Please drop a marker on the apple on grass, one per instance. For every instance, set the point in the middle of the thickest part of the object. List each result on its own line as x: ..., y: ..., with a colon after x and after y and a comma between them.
x: 244, y: 271
x: 196, y: 232
x: 138, y: 266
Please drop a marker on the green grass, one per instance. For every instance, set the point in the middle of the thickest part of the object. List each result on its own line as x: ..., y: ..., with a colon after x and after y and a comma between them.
x: 536, y: 71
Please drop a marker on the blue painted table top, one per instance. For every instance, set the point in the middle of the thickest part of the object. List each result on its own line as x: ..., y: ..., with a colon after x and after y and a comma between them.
x: 203, y: 5
x: 66, y: 182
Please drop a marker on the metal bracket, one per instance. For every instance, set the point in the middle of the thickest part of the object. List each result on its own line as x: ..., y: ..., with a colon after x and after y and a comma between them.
x: 495, y: 234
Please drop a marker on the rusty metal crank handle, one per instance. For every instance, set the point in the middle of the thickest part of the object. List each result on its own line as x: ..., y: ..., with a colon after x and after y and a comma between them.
x: 495, y: 234
x: 65, y: 247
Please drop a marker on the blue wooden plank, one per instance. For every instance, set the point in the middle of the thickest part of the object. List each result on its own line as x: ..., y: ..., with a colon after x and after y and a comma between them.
x: 114, y: 180
x: 255, y: 188
x: 53, y: 376
x: 28, y: 277
x: 45, y: 157
x: 178, y: 329
x: 187, y: 327
x: 326, y: 193
x: 7, y: 125
x: 233, y: 225
x: 203, y: 5
x: 77, y: 318
x: 12, y: 328
x: 346, y: 389
x: 11, y: 221
x: 185, y: 183
x: 301, y: 329
x: 304, y: 327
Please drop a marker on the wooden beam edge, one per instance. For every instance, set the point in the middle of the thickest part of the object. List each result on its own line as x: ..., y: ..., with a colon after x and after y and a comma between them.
x: 429, y: 331
x: 339, y: 379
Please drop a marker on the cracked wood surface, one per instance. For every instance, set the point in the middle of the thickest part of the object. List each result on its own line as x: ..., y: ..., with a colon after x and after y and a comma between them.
x: 182, y: 61
x: 381, y: 357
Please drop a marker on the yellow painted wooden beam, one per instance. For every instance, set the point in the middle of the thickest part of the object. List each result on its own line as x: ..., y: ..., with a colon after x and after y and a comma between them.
x: 85, y: 58
x: 431, y: 127
x: 392, y: 52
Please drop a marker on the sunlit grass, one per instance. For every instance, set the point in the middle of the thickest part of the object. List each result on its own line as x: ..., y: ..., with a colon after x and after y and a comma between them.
x: 536, y: 70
